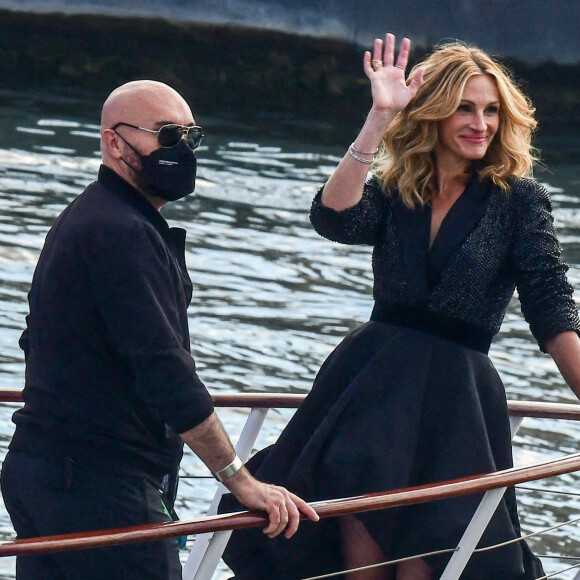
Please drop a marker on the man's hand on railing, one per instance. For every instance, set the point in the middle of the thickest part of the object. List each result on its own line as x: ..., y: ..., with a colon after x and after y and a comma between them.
x: 282, y: 506
x: 213, y: 446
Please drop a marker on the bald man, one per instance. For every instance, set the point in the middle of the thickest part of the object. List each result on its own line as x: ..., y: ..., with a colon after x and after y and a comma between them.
x: 111, y: 389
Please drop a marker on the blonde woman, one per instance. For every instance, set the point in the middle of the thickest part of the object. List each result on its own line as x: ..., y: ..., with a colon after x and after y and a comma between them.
x: 411, y: 397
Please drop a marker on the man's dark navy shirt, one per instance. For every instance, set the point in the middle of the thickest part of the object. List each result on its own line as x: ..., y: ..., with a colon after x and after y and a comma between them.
x: 110, y: 381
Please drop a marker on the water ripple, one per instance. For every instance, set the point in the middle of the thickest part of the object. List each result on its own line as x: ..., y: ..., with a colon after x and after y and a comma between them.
x: 271, y: 298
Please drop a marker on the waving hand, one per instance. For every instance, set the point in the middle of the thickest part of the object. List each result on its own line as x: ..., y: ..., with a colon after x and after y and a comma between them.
x: 387, y: 75
x: 391, y: 94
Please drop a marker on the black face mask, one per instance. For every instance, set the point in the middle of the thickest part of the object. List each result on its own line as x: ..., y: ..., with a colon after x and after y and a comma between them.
x: 168, y: 172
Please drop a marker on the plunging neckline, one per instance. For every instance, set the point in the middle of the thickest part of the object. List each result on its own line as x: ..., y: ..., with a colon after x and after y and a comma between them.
x: 441, y: 224
x: 461, y: 217
x: 423, y: 261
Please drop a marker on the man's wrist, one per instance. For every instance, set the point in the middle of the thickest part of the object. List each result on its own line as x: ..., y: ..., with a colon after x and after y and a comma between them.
x: 229, y: 470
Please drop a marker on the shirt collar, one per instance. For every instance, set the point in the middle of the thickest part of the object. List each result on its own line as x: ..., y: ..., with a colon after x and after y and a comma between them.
x: 113, y: 182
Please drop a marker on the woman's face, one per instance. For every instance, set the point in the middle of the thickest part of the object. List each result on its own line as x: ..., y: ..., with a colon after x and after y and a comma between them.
x: 466, y: 135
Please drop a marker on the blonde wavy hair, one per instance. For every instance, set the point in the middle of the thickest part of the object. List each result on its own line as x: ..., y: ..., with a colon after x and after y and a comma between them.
x: 406, y: 161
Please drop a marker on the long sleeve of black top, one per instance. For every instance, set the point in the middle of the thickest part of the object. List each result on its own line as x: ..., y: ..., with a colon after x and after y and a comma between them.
x: 108, y: 364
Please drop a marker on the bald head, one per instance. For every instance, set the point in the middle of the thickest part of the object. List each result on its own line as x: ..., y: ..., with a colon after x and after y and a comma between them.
x: 145, y: 103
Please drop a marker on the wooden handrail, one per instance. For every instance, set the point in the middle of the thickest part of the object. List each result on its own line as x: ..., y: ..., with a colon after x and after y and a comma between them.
x: 329, y: 508
x: 257, y: 400
x: 539, y: 409
x: 10, y: 395
x: 282, y: 401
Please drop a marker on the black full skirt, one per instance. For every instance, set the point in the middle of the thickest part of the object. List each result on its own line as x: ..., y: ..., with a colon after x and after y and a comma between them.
x: 390, y: 408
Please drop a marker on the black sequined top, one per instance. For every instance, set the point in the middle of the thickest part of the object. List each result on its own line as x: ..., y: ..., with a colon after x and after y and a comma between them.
x: 490, y: 243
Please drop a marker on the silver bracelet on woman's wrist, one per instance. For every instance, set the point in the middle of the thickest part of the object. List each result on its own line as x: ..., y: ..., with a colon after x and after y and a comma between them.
x: 229, y: 470
x: 355, y: 150
x: 354, y: 153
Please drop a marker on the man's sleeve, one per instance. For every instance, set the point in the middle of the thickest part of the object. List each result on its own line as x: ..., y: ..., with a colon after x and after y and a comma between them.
x: 132, y: 277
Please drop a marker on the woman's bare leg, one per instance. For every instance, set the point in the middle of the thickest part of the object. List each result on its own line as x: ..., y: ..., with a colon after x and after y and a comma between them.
x: 359, y: 549
x: 414, y: 570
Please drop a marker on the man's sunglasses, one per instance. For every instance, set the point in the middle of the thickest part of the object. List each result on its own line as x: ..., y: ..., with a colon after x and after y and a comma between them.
x: 171, y: 135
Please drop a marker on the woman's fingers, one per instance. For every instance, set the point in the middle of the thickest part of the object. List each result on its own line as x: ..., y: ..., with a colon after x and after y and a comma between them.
x: 367, y: 63
x: 416, y: 81
x: 383, y: 55
x: 389, y: 52
x: 403, y: 57
x: 378, y: 50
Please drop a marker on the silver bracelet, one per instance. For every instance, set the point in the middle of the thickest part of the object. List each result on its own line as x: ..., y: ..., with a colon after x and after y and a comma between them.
x: 229, y: 470
x: 355, y: 150
x: 360, y: 159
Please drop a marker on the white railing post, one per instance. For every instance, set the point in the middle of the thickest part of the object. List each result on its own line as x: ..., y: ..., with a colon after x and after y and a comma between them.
x: 477, y: 525
x: 208, y: 548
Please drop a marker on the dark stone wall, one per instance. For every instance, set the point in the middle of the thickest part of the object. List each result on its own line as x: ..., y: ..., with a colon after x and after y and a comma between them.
x: 530, y: 30
x: 217, y: 68
x: 225, y: 69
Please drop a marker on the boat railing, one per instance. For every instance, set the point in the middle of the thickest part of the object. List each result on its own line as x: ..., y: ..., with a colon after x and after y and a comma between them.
x: 212, y: 531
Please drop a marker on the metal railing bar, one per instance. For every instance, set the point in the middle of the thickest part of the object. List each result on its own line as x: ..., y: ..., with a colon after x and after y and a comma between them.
x: 328, y: 508
x: 473, y: 533
x: 478, y: 523
x: 526, y: 536
x: 554, y: 557
x: 449, y: 550
x: 334, y: 574
x: 208, y: 548
x: 558, y: 572
x: 381, y: 564
x: 544, y: 490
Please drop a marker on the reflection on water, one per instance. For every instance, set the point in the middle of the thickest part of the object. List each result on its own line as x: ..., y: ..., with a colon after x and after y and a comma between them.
x: 271, y: 297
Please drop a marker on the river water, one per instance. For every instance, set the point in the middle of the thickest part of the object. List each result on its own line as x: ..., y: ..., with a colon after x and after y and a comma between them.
x: 271, y: 298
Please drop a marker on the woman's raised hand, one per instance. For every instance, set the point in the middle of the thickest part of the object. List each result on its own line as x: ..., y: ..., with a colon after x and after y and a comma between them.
x: 389, y: 89
x: 391, y: 94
